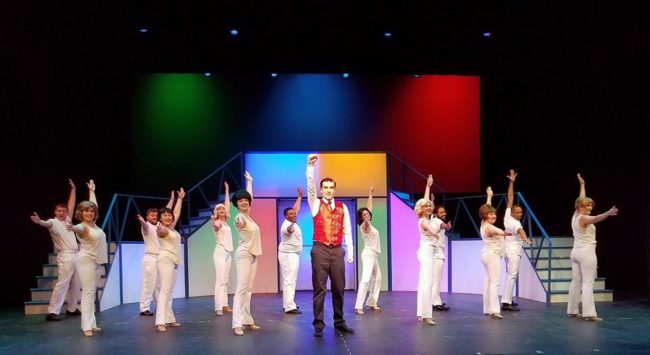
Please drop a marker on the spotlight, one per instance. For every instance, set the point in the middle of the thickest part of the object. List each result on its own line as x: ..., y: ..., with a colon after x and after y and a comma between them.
x: 274, y: 75
x: 234, y: 32
x: 487, y: 34
x: 207, y: 73
x: 387, y: 34
x: 416, y: 75
x: 143, y: 30
x: 346, y: 75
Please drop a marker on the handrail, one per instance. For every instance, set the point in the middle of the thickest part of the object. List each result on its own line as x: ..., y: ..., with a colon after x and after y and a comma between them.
x: 411, y: 190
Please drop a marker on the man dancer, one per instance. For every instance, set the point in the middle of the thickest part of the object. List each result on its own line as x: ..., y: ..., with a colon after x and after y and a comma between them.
x: 513, y: 245
x: 331, y: 226
x: 438, y: 222
x: 150, y: 283
x: 289, y: 255
x: 65, y: 245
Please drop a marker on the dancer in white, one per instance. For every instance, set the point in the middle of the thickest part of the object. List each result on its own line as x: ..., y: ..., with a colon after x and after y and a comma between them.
x: 249, y: 249
x: 289, y: 255
x: 513, y: 245
x: 491, y: 257
x: 168, y: 261
x: 583, y: 256
x: 93, y: 254
x: 65, y: 245
x: 426, y: 252
x: 222, y: 255
x: 150, y: 287
x: 438, y: 224
x: 371, y: 272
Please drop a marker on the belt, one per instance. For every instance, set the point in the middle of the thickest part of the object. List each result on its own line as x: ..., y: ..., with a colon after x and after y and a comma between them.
x: 329, y: 246
x: 68, y: 251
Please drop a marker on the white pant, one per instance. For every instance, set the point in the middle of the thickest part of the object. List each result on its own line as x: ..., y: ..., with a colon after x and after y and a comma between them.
x: 492, y: 263
x: 370, y: 279
x: 513, y: 258
x: 246, y: 264
x: 150, y: 283
x: 88, y: 272
x: 425, y: 257
x: 222, y: 261
x: 289, y: 264
x: 68, y: 283
x: 583, y: 275
x: 438, y: 266
x: 167, y: 273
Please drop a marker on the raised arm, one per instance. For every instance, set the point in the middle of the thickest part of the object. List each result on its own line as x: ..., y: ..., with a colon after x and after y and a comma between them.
x: 586, y: 219
x: 170, y: 203
x: 37, y: 220
x: 583, y: 191
x: 312, y: 198
x: 143, y: 223
x: 489, y: 193
x: 249, y: 183
x: 80, y: 229
x: 511, y: 187
x: 296, y: 205
x: 226, y: 202
x: 72, y: 199
x: 369, y: 203
x: 179, y: 206
x: 427, y: 190
x: 91, y: 192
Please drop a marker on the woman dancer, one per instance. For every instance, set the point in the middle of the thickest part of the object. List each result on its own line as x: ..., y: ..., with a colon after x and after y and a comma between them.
x: 168, y: 261
x: 428, y: 239
x: 371, y: 274
x: 583, y: 256
x: 491, y: 257
x: 92, y: 254
x: 222, y: 253
x: 250, y: 247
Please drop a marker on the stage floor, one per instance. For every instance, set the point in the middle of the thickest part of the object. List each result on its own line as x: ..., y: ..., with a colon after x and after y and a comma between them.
x: 537, y: 329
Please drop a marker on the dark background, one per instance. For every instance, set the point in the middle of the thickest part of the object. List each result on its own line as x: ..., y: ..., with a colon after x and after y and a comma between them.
x: 564, y: 89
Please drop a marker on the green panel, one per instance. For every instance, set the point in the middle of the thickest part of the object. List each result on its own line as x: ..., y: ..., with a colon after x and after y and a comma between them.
x: 380, y: 221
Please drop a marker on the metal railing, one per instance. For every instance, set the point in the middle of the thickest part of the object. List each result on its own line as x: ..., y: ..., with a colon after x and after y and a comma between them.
x: 404, y: 178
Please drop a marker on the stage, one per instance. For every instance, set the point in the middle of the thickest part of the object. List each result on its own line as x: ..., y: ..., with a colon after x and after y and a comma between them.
x: 538, y: 328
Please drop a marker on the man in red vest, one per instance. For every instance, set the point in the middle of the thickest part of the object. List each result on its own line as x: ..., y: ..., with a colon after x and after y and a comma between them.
x: 331, y: 226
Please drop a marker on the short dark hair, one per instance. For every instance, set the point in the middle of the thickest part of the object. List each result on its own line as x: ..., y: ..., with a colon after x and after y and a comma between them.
x: 286, y: 210
x: 165, y: 210
x: 327, y: 179
x: 516, y: 206
x: 240, y: 194
x: 152, y: 210
x: 60, y: 205
x: 360, y: 214
x: 437, y: 207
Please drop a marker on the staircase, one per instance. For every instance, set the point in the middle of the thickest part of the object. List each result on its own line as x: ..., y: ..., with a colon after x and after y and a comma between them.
x: 41, y: 294
x: 560, y: 271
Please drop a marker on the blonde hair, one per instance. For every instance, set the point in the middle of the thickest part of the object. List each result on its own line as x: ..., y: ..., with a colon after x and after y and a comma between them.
x: 85, y: 206
x: 584, y: 201
x: 419, y: 206
x: 485, y: 210
x: 215, y: 210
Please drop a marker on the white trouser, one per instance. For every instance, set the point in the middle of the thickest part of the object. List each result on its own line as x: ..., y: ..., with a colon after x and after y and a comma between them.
x: 513, y: 258
x: 425, y: 257
x: 68, y: 283
x: 370, y: 279
x: 438, y: 266
x: 167, y: 273
x: 150, y: 283
x: 289, y: 264
x: 246, y: 264
x: 88, y: 271
x: 492, y: 263
x: 583, y: 275
x: 222, y: 261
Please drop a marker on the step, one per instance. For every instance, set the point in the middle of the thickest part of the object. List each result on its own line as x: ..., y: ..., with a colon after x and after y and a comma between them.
x: 562, y: 241
x: 205, y: 213
x: 198, y: 221
x: 564, y: 284
x: 40, y: 307
x: 45, y: 294
x: 50, y: 281
x: 563, y: 262
x: 556, y: 273
x: 599, y: 296
x: 53, y: 270
x: 558, y: 252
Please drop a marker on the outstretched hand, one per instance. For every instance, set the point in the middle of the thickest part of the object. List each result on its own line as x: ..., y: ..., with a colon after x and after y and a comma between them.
x: 580, y: 179
x: 311, y: 159
x: 429, y: 180
x: 613, y: 211
x: 72, y: 185
x: 142, y: 221
x: 488, y: 191
x: 181, y: 194
x: 248, y: 176
x: 68, y: 227
x: 512, y: 175
x: 35, y: 218
x: 226, y: 187
x: 91, y: 185
x: 299, y: 189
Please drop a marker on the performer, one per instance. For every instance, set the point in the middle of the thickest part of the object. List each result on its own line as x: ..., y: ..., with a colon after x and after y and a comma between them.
x: 583, y: 256
x: 437, y: 223
x: 491, y: 257
x: 65, y: 245
x: 426, y: 252
x: 168, y: 261
x: 289, y: 255
x: 222, y: 253
x: 92, y: 254
x: 371, y: 275
x: 150, y: 284
x: 513, y: 245
x: 331, y: 225
x: 249, y: 249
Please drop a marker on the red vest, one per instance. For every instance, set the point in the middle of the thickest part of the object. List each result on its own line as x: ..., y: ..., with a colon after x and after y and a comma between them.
x: 328, y: 223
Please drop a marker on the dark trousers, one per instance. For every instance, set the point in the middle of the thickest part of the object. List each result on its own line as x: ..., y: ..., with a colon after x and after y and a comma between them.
x: 327, y: 262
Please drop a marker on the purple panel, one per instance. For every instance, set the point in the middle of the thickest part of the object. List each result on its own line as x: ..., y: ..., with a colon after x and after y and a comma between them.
x: 405, y: 241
